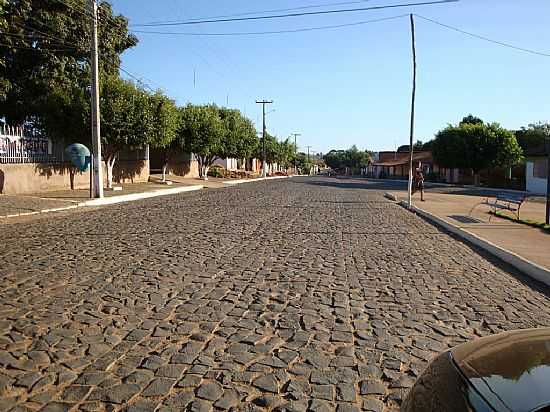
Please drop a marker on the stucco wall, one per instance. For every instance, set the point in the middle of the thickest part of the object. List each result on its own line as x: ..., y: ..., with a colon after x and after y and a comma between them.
x: 37, y: 177
x: 534, y: 184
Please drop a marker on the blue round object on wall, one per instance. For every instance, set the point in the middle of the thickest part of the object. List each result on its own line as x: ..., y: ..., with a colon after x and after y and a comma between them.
x: 79, y: 155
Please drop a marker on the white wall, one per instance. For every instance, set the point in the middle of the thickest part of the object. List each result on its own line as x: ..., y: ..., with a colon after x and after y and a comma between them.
x: 228, y: 164
x: 534, y: 185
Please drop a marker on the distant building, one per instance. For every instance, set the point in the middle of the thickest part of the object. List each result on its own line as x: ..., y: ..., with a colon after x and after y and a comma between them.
x: 395, y: 165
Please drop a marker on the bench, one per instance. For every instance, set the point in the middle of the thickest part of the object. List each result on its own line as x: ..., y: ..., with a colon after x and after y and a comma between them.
x: 506, y: 201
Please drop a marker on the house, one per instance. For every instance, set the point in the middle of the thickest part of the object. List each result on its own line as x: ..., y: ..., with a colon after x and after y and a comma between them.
x: 536, y: 170
x: 30, y: 163
x: 396, y: 164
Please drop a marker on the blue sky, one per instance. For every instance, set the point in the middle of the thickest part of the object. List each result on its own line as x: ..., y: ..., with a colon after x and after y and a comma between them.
x: 352, y: 85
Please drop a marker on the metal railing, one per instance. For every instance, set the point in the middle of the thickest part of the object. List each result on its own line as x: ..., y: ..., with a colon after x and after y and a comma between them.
x: 17, y: 147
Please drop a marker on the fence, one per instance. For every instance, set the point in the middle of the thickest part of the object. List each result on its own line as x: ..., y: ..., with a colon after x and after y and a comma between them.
x: 19, y: 146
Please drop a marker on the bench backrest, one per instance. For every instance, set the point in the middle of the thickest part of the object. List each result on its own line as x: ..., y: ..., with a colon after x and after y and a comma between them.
x: 511, y: 198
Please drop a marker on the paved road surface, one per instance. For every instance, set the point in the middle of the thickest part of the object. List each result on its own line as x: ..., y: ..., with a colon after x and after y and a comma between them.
x: 305, y: 293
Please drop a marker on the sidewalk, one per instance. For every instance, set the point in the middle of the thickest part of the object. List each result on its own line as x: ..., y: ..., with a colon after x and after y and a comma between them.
x: 45, y: 202
x: 529, y: 243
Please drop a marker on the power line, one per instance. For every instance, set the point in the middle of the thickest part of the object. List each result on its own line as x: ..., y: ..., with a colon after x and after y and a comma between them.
x: 312, y: 13
x: 87, y: 13
x: 76, y: 7
x: 267, y: 11
x: 259, y: 33
x: 477, y: 36
x: 41, y: 49
x: 47, y: 35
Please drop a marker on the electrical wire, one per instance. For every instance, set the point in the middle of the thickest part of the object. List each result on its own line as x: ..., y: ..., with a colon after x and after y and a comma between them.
x: 250, y: 13
x: 259, y: 33
x: 281, y: 16
x: 50, y: 36
x: 76, y: 7
x: 487, y: 39
x: 41, y: 49
x: 137, y: 79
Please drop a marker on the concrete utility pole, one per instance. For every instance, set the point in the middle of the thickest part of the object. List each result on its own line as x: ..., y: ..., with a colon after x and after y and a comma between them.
x: 264, y: 132
x: 411, y: 147
x: 96, y: 127
x: 295, y: 151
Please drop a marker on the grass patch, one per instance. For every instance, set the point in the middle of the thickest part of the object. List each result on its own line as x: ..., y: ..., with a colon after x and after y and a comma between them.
x: 539, y: 225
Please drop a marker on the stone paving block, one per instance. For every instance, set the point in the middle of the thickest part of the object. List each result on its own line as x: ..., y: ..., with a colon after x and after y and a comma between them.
x: 304, y: 293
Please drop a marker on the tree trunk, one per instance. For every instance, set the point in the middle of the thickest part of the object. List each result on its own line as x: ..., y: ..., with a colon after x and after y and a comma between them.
x: 110, y: 165
x: 476, y: 178
x: 71, y: 177
x: 164, y: 169
x: 165, y: 165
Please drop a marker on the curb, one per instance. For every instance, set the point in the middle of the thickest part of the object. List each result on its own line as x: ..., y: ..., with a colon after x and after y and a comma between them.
x: 37, y: 212
x: 138, y: 196
x: 390, y: 196
x: 132, y: 197
x: 240, y: 181
x: 436, y: 185
x: 525, y: 266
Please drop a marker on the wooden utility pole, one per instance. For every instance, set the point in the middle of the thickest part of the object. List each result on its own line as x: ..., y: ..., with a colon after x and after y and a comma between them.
x: 308, y: 147
x: 264, y: 132
x: 96, y: 126
x: 548, y: 181
x: 411, y: 147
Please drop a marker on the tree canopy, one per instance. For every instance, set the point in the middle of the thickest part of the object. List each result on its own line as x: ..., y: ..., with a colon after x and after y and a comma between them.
x: 475, y: 145
x: 352, y: 158
x: 211, y: 132
x: 534, y: 136
x: 44, y: 58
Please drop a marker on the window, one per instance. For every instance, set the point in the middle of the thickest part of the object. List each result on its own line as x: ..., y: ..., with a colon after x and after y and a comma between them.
x: 540, y: 168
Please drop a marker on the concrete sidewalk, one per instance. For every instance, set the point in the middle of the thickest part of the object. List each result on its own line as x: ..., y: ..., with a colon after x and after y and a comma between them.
x: 529, y: 243
x: 46, y: 202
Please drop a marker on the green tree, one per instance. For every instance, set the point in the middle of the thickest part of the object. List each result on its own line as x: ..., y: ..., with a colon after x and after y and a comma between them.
x: 335, y: 159
x: 127, y: 119
x: 201, y: 132
x: 471, y: 119
x: 239, y: 135
x: 44, y: 60
x: 476, y: 146
x: 286, y: 153
x: 534, y: 136
x: 352, y: 158
x: 164, y: 127
x: 303, y: 164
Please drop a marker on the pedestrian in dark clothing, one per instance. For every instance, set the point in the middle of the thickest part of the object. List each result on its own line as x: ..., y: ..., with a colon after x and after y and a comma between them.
x: 418, y: 183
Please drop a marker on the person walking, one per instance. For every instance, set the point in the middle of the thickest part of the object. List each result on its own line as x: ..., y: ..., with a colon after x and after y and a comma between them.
x: 418, y: 183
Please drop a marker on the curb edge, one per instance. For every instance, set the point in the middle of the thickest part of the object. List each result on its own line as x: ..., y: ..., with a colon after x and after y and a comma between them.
x: 525, y: 266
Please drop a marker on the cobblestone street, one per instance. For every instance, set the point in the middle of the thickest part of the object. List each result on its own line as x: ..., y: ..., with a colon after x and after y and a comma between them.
x: 298, y: 294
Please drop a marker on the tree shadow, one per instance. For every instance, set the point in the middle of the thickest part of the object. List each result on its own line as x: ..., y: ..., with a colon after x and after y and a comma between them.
x: 350, y: 183
x: 57, y: 168
x: 126, y: 171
